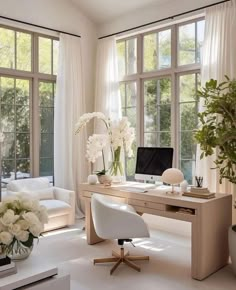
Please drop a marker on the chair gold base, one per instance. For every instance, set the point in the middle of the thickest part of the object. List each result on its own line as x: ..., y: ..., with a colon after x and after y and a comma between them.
x: 122, y: 257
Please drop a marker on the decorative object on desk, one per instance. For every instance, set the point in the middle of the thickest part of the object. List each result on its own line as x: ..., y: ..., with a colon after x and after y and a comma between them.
x: 184, y: 186
x: 172, y: 176
x: 92, y: 179
x: 199, y: 181
x: 232, y: 248
x: 105, y: 179
x: 218, y: 123
x: 21, y: 221
x: 119, y: 137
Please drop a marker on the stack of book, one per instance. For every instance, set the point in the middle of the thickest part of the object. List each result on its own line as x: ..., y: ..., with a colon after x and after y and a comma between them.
x: 199, y: 192
x: 7, y: 267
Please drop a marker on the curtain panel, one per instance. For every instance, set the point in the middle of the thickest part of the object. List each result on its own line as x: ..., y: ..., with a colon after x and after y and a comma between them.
x: 70, y: 165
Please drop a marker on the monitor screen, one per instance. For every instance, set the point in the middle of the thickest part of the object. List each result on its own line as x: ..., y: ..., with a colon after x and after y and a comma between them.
x: 152, y: 162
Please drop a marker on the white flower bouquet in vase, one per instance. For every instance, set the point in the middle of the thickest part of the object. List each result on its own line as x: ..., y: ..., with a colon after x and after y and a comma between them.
x: 119, y: 138
x: 21, y: 222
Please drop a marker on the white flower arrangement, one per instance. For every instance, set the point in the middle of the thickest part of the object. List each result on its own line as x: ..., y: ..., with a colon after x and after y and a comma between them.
x: 21, y: 221
x: 119, y: 135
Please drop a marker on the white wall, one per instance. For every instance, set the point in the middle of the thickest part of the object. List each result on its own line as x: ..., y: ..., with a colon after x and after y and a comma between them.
x: 151, y: 13
x: 61, y: 15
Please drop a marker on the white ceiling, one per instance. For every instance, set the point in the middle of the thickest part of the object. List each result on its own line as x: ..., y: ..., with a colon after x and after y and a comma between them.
x: 100, y: 11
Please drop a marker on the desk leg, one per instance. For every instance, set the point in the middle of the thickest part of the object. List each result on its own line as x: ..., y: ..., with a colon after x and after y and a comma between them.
x: 210, y: 238
x: 92, y: 237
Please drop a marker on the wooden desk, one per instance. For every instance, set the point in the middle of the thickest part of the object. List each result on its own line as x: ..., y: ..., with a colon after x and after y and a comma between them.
x: 210, y: 220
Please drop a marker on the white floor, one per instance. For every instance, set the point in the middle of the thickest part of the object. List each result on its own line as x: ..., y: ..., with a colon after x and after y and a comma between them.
x: 168, y: 268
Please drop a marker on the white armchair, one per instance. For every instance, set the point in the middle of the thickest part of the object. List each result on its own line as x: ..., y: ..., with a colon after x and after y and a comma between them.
x: 60, y: 203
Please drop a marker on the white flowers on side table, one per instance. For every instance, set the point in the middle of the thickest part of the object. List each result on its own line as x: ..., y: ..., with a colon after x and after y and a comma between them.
x: 21, y: 221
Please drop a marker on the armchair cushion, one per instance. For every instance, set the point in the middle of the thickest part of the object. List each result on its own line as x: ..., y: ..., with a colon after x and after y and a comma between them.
x: 41, y: 194
x: 28, y: 184
x: 56, y: 207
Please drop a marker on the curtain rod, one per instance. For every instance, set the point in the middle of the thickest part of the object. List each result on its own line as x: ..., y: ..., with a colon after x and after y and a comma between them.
x: 39, y: 26
x: 163, y: 19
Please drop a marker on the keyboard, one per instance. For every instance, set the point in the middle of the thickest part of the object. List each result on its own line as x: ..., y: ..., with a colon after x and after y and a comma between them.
x: 133, y: 189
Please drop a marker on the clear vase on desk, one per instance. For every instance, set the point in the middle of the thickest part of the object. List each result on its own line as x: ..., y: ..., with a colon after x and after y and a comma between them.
x: 116, y: 167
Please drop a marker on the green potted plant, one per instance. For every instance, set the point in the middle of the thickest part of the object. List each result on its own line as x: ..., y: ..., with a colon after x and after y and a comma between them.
x: 218, y: 132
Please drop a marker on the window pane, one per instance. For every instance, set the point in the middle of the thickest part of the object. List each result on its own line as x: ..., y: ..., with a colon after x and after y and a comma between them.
x: 22, y: 145
x: 8, y: 146
x: 7, y: 90
x: 22, y: 119
x: 55, y: 56
x: 200, y: 38
x: 188, y: 169
x: 187, y: 88
x: 8, y: 118
x: 46, y: 103
x: 131, y: 94
x: 187, y: 145
x: 165, y: 139
x: 150, y: 139
x: 157, y: 51
x: 131, y: 52
x: 164, y: 55
x: 23, y: 59
x: 122, y: 94
x: 157, y: 111
x: 46, y: 94
x: 8, y: 167
x: 121, y: 58
x: 46, y: 149
x: 22, y: 92
x: 7, y: 46
x: 23, y: 168
x: 186, y: 46
x: 45, y: 55
x: 46, y: 166
x: 188, y: 116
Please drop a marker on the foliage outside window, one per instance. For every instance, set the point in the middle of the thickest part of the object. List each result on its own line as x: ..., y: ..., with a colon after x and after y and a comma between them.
x: 164, y: 66
x: 28, y: 65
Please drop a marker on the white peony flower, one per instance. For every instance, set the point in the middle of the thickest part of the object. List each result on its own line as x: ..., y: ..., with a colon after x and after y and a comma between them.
x: 36, y: 229
x: 24, y: 225
x: 43, y: 214
x: 9, y: 217
x: 31, y: 218
x: 6, y: 238
x: 22, y: 236
x: 14, y: 229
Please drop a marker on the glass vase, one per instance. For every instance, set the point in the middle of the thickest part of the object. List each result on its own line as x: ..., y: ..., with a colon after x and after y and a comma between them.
x: 116, y: 167
x: 19, y: 252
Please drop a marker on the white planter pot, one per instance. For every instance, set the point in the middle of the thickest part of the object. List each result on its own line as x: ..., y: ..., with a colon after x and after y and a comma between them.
x: 232, y: 246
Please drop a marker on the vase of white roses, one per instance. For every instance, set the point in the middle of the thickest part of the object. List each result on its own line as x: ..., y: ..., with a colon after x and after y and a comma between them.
x: 119, y: 139
x: 21, y: 222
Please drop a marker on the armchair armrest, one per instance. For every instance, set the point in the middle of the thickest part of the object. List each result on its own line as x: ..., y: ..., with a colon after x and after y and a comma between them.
x: 67, y: 196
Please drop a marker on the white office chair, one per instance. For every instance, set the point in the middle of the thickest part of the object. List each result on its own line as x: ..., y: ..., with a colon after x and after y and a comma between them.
x: 115, y: 220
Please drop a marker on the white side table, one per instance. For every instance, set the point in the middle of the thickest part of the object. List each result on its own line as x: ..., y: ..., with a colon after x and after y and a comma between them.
x: 35, y: 277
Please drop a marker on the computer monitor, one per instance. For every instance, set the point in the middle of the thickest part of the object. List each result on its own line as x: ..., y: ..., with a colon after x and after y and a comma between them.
x: 151, y: 162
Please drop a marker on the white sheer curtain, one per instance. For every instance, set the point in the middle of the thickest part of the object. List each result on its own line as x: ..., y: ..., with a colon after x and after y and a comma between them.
x: 107, y: 95
x: 70, y: 166
x: 218, y: 60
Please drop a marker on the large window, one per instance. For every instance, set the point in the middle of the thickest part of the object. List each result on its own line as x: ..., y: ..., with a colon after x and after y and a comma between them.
x: 159, y: 76
x: 28, y: 67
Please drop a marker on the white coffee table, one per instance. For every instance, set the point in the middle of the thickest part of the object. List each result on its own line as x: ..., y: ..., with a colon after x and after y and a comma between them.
x: 31, y: 275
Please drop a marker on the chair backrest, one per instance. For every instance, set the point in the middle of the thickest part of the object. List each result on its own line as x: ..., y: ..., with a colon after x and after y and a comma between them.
x: 27, y: 184
x: 116, y: 220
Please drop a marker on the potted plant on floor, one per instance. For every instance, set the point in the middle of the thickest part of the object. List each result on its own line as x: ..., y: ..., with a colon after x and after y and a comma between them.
x: 218, y: 132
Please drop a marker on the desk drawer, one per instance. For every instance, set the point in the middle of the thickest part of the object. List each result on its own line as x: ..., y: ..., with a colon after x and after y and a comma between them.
x: 147, y: 204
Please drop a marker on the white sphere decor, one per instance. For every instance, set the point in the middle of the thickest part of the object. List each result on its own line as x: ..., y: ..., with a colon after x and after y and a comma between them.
x: 172, y: 176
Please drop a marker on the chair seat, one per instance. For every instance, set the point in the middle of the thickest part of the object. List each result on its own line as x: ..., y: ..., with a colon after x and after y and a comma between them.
x: 56, y: 207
